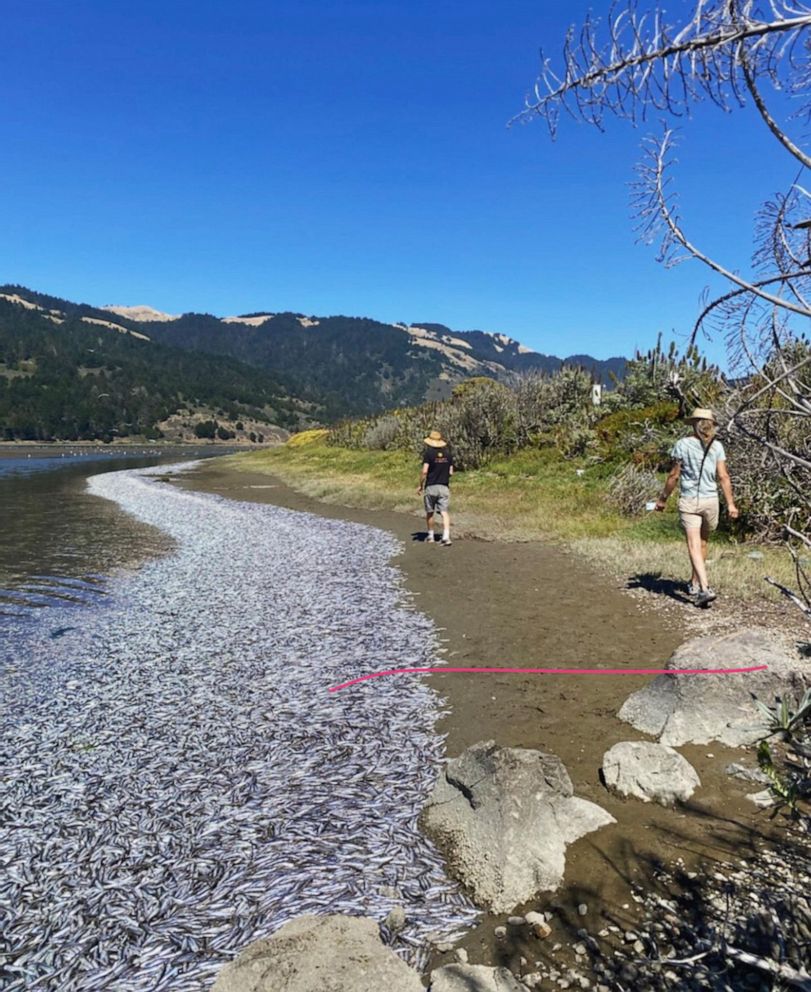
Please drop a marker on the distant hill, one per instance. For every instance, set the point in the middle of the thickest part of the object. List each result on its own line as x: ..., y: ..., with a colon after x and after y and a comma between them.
x: 69, y: 373
x: 289, y: 367
x: 353, y: 366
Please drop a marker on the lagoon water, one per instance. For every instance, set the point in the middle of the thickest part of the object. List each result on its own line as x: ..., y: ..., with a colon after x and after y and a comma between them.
x: 58, y: 543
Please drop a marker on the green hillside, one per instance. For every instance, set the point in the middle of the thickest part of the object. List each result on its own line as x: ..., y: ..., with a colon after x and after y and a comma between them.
x: 71, y: 370
x: 74, y: 380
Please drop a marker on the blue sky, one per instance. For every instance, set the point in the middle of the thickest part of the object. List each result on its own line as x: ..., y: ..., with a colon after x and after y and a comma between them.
x: 346, y: 157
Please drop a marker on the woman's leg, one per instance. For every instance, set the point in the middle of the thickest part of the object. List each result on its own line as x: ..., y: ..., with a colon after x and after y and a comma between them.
x: 705, y: 539
x: 697, y: 549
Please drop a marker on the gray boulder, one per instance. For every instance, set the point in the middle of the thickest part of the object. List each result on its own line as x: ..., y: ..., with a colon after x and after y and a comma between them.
x: 474, y: 978
x: 328, y: 953
x: 649, y: 771
x: 504, y: 817
x: 697, y: 709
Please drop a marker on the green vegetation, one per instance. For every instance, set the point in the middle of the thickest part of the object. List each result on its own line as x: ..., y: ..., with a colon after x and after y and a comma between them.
x: 531, y: 495
x: 353, y: 366
x: 539, y: 461
x: 305, y: 370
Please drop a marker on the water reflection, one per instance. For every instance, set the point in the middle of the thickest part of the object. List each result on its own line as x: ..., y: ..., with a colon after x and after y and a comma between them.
x: 59, y: 544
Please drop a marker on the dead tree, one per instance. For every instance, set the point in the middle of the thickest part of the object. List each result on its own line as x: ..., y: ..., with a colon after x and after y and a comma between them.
x: 639, y: 65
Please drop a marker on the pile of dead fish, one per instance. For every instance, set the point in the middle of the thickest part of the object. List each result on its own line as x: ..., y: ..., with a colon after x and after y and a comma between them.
x: 178, y: 780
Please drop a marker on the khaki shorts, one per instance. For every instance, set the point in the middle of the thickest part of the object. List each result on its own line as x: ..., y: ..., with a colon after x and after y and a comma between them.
x: 437, y: 498
x: 701, y: 513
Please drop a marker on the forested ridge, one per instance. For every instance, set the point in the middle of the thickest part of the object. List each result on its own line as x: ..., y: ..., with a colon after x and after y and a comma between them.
x: 74, y: 371
x: 77, y: 381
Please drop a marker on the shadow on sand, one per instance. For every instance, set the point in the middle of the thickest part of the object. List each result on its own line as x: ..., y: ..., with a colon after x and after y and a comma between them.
x: 689, y: 916
x: 654, y: 582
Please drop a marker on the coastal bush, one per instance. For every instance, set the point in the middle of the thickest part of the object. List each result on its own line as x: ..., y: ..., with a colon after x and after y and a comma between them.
x: 382, y: 434
x: 652, y: 376
x: 206, y: 429
x: 313, y: 436
x: 576, y: 440
x: 630, y: 488
x: 769, y: 433
x: 643, y: 435
x: 480, y: 420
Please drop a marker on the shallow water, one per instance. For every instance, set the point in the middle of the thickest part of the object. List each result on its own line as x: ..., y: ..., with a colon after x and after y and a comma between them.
x: 58, y: 543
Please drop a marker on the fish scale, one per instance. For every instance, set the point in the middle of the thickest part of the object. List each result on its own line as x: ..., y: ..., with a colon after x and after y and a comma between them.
x: 178, y: 779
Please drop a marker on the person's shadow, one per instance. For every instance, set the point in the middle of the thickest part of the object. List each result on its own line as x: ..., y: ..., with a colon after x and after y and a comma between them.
x: 654, y: 582
x: 419, y: 535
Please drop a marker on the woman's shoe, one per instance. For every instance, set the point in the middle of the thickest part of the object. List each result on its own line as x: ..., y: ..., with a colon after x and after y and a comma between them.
x: 705, y: 597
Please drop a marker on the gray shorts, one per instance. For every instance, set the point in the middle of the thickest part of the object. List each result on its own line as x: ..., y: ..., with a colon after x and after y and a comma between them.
x: 437, y: 498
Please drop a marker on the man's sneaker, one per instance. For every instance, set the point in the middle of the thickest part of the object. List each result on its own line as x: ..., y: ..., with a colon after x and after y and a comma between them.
x: 429, y: 538
x: 446, y: 542
x: 705, y: 597
x: 693, y: 589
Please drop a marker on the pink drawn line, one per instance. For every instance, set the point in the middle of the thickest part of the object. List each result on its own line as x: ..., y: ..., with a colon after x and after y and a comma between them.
x: 556, y: 671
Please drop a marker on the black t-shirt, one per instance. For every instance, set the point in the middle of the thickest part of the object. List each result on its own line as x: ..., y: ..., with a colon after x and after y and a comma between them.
x: 439, y: 462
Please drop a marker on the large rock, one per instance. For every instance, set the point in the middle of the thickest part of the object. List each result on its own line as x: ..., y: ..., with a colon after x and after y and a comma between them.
x: 327, y: 953
x: 474, y: 978
x: 504, y: 817
x: 649, y: 771
x: 697, y: 709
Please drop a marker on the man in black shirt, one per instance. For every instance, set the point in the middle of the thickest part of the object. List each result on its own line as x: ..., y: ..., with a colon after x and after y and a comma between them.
x: 435, y: 481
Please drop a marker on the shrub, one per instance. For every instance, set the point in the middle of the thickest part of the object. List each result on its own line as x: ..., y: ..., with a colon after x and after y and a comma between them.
x: 206, y: 429
x: 575, y: 440
x: 303, y: 438
x: 383, y: 434
x: 644, y: 435
x: 556, y: 409
x: 630, y: 488
x: 479, y: 421
x: 647, y: 377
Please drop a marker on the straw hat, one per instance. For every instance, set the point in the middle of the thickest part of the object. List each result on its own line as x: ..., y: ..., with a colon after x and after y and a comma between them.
x: 701, y: 413
x: 435, y: 440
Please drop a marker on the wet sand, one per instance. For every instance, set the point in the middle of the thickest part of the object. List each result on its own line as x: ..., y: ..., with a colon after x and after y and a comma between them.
x: 530, y: 605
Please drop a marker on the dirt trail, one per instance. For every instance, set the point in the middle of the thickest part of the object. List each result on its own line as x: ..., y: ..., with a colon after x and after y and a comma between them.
x: 530, y: 605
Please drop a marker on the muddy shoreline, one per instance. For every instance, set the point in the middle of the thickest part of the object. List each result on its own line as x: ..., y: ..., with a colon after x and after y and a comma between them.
x: 533, y: 605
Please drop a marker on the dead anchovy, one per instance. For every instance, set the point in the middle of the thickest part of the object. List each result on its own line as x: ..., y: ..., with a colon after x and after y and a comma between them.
x: 178, y: 780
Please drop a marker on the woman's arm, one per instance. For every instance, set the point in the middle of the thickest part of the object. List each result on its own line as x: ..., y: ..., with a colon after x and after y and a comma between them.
x: 726, y: 486
x: 670, y: 485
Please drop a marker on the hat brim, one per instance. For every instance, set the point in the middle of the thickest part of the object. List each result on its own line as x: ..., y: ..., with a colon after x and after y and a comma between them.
x: 434, y: 444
